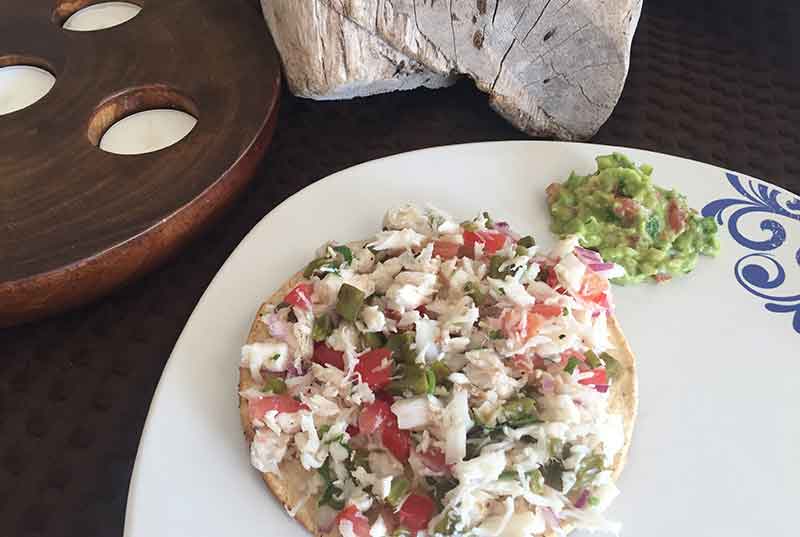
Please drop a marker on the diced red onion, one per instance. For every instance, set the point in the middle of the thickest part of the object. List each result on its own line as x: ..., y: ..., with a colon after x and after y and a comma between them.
x: 587, y: 256
x: 277, y: 328
x: 550, y: 517
x: 505, y: 229
x: 292, y: 372
x: 583, y: 499
x: 548, y: 386
x: 602, y: 388
x: 608, y: 270
x: 600, y: 267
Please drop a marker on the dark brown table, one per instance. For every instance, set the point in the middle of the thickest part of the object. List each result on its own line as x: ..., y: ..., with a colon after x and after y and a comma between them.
x: 717, y: 81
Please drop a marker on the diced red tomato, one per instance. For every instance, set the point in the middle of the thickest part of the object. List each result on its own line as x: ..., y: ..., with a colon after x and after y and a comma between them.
x: 593, y: 284
x: 599, y: 377
x: 356, y: 518
x: 325, y: 355
x: 433, y: 459
x: 372, y: 369
x: 300, y: 296
x: 491, y: 240
x: 393, y: 314
x: 511, y: 321
x: 626, y: 208
x: 546, y: 311
x: 374, y: 416
x: 352, y: 430
x: 534, y: 323
x: 676, y: 217
x: 552, y: 192
x: 594, y: 288
x: 397, y: 441
x: 445, y: 249
x: 599, y: 299
x: 281, y: 403
x: 423, y: 310
x: 384, y: 396
x: 572, y: 353
x: 416, y: 512
x: 522, y: 363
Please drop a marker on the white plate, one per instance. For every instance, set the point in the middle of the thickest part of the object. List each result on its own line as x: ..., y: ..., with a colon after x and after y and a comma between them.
x: 715, y: 451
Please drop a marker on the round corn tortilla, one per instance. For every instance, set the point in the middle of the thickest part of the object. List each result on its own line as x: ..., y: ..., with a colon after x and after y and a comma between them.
x: 290, y: 487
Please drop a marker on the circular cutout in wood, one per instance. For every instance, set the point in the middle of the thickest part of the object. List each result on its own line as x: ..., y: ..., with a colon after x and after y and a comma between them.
x: 76, y: 221
x: 94, y: 16
x: 142, y: 120
x: 23, y: 81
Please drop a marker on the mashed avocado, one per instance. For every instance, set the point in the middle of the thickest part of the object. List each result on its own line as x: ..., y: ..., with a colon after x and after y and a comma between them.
x: 621, y: 214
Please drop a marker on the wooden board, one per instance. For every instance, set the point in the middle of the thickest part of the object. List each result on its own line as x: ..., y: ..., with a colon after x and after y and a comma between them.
x: 75, y: 221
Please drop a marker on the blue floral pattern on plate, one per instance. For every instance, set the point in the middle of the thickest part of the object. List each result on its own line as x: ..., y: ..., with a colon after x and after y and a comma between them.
x: 760, y: 273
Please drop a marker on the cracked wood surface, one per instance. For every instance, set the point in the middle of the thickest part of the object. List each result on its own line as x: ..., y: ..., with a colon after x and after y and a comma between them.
x: 550, y: 67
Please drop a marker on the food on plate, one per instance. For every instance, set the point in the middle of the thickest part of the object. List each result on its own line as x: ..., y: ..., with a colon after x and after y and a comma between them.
x: 441, y: 378
x: 618, y: 212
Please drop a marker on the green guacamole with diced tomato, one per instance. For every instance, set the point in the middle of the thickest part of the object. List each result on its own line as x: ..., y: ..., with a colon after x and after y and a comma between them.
x: 619, y: 212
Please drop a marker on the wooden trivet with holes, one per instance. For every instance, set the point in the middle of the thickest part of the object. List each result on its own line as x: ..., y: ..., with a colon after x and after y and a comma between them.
x: 76, y: 221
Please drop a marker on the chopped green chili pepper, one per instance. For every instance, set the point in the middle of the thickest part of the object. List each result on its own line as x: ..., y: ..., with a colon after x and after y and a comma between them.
x: 521, y: 250
x: 507, y: 475
x: 315, y: 265
x: 496, y: 334
x: 414, y: 380
x: 374, y: 340
x: 401, y: 532
x: 587, y: 470
x: 572, y: 363
x: 472, y: 291
x: 489, y: 221
x: 430, y: 376
x: 469, y: 226
x: 520, y: 412
x: 275, y: 385
x: 398, y: 490
x: 345, y: 252
x: 440, y: 486
x: 441, y: 371
x: 494, y: 266
x: 360, y: 458
x: 552, y: 472
x: 613, y: 367
x: 448, y: 523
x: 323, y: 327
x: 592, y: 360
x: 536, y: 481
x: 527, y: 241
x: 400, y: 344
x: 594, y: 501
x: 332, y: 494
x: 350, y: 301
x: 565, y: 311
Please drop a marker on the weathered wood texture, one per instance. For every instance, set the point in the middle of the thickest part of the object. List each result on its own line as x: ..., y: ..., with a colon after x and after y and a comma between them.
x: 551, y: 67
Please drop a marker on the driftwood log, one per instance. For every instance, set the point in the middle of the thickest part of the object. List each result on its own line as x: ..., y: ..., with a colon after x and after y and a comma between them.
x: 550, y: 67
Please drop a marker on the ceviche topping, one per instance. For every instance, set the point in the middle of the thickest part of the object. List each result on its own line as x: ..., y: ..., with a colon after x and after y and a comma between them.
x: 443, y: 378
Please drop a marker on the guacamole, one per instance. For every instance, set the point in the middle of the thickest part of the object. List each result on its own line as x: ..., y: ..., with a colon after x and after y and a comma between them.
x: 628, y: 220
